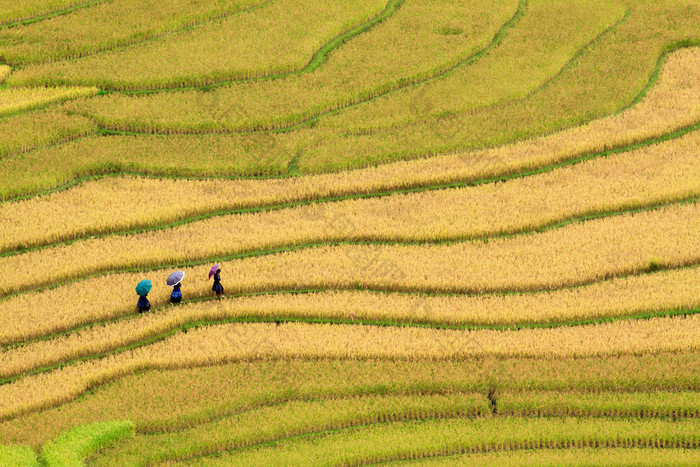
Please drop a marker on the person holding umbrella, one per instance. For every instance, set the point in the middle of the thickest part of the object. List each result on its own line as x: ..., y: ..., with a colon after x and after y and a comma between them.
x: 217, y: 287
x: 142, y: 289
x: 175, y: 281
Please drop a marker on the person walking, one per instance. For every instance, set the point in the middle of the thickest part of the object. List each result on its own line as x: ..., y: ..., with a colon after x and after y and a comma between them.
x: 142, y: 290
x: 175, y: 281
x: 176, y: 295
x: 217, y: 287
x: 143, y: 304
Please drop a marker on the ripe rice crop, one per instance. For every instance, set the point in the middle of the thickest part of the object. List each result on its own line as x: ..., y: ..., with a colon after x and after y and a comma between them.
x: 295, y: 418
x: 603, y: 248
x: 240, y: 342
x: 638, y: 295
x: 4, y: 72
x: 26, y: 132
x: 571, y: 457
x: 229, y: 49
x: 171, y: 400
x: 447, y: 229
x: 660, y: 173
x: 37, y: 314
x: 431, y: 438
x: 673, y: 103
x: 21, y: 99
x: 373, y: 63
x: 106, y: 26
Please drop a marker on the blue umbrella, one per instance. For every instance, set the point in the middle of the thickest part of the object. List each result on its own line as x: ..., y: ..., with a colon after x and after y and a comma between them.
x: 175, y: 278
x: 144, y: 287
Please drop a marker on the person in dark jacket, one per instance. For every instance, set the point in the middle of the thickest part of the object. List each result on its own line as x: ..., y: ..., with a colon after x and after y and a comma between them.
x: 176, y: 295
x: 143, y: 304
x: 217, y: 287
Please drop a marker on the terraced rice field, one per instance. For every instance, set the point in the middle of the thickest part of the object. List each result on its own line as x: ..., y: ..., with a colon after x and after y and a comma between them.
x: 450, y: 232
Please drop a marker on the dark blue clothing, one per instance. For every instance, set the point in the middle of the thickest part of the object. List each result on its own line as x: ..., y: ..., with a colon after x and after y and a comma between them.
x: 143, y: 304
x: 217, y: 287
x: 176, y: 296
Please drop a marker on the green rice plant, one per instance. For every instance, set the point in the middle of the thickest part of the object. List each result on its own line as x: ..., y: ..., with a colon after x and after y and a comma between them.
x: 230, y: 49
x: 629, y: 405
x: 142, y: 114
x: 17, y: 456
x: 70, y: 447
x: 270, y: 105
x: 605, y: 77
x: 383, y: 59
x: 106, y: 26
x: 532, y: 54
x: 425, y: 439
x: 268, y: 424
x: 180, y: 156
x: 171, y: 400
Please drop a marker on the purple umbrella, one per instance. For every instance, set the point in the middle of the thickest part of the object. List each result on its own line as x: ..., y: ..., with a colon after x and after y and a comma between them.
x: 175, y: 278
x: 213, y: 270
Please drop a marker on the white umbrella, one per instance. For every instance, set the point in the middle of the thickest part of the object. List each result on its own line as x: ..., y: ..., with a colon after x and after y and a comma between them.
x: 175, y: 278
